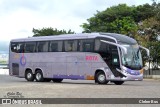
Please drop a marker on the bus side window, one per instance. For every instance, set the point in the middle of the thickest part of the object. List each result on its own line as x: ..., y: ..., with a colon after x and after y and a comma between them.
x: 30, y: 47
x: 42, y: 46
x: 14, y: 47
x: 70, y: 45
x: 103, y: 49
x: 17, y: 47
x: 20, y: 47
x: 115, y: 56
x: 55, y: 46
x: 87, y: 45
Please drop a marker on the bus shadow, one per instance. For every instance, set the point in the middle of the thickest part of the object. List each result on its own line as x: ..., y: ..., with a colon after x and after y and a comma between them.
x: 77, y: 82
x: 109, y: 84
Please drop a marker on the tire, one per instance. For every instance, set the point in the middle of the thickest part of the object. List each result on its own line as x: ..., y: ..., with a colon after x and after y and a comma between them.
x: 57, y: 80
x: 39, y: 76
x: 101, y: 78
x: 29, y: 76
x: 47, y: 80
x: 118, y: 82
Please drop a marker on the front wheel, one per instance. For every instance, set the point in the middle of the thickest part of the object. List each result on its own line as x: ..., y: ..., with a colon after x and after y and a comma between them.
x: 118, y: 82
x: 101, y: 78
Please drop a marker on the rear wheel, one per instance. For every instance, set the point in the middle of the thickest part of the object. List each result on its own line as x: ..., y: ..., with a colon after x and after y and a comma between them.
x: 39, y: 76
x: 118, y: 82
x: 101, y: 78
x: 29, y: 75
x: 57, y: 80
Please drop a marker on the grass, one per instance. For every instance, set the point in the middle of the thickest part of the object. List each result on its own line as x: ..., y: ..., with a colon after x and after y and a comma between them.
x: 3, y: 62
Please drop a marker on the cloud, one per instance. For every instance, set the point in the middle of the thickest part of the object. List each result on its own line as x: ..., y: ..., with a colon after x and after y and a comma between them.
x: 13, y: 5
x: 19, y: 17
x: 4, y: 47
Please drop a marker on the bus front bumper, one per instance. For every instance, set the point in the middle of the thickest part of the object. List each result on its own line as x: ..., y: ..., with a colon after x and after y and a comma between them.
x: 132, y: 78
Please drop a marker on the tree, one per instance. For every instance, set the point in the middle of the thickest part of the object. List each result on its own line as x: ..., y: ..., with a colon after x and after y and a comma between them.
x: 50, y: 31
x: 149, y: 32
x: 124, y: 25
x: 126, y: 18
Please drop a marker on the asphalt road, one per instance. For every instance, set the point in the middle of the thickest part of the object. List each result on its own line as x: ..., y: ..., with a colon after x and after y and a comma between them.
x: 147, y: 88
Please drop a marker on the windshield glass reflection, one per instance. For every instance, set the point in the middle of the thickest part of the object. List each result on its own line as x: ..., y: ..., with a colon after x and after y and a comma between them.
x: 133, y: 58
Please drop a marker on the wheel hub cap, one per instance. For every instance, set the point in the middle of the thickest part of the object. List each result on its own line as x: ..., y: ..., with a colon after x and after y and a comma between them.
x: 101, y: 78
x: 38, y: 76
x: 29, y: 75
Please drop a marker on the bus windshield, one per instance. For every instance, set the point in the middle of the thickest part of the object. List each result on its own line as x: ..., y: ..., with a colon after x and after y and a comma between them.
x: 133, y: 58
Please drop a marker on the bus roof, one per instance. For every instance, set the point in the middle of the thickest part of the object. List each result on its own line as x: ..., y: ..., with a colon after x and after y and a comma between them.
x: 114, y: 36
x: 121, y: 38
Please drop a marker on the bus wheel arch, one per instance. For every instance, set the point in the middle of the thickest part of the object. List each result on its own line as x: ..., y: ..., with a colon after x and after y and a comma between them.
x: 100, y: 77
x: 29, y: 76
x: 39, y: 75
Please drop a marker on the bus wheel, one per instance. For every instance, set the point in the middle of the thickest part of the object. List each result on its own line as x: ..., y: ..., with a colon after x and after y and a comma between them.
x: 101, y: 78
x: 39, y: 76
x: 118, y: 82
x: 57, y: 80
x: 29, y: 75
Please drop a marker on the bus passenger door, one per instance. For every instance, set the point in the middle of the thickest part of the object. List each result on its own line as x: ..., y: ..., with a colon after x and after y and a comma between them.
x: 115, y: 63
x: 72, y: 67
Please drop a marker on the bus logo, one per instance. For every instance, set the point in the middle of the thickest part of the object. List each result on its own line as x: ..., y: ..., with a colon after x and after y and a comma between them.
x: 23, y: 60
x: 91, y: 58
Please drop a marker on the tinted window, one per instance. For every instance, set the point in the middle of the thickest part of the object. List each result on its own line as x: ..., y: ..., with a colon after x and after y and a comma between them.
x: 30, y: 47
x: 70, y: 45
x: 17, y: 47
x: 115, y: 56
x: 101, y: 46
x: 56, y: 46
x: 108, y: 52
x: 42, y: 46
x: 87, y: 45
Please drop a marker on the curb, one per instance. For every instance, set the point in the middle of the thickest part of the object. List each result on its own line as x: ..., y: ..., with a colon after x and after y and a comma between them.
x: 152, y: 76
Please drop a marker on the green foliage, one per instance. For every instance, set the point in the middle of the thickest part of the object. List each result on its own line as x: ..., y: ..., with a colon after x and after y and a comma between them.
x: 123, y: 15
x: 143, y: 12
x: 3, y: 62
x: 125, y: 25
x: 49, y: 31
x: 155, y: 49
x: 149, y: 29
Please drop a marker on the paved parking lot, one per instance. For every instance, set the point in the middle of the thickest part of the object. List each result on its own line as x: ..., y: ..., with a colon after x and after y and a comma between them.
x: 79, y: 89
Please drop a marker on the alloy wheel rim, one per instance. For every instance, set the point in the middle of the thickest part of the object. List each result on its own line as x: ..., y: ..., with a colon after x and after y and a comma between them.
x: 101, y: 77
x: 29, y: 75
x: 38, y: 76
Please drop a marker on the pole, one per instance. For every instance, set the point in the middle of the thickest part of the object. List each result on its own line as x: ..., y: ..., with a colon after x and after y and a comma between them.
x: 149, y: 68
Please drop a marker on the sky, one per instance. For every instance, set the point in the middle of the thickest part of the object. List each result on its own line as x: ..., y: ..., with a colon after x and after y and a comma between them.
x: 19, y: 17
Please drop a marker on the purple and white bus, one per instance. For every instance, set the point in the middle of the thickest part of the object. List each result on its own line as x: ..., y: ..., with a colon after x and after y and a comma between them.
x: 102, y: 57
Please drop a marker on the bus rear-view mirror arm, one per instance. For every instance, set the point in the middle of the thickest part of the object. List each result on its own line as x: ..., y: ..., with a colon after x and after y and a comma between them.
x: 147, y: 50
x: 115, y: 44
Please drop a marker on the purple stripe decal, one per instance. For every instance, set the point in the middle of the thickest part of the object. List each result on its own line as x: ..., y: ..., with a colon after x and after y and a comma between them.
x: 69, y: 76
x: 133, y: 72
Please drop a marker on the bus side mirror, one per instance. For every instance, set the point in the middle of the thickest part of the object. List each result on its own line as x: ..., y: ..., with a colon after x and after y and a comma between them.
x: 147, y: 50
